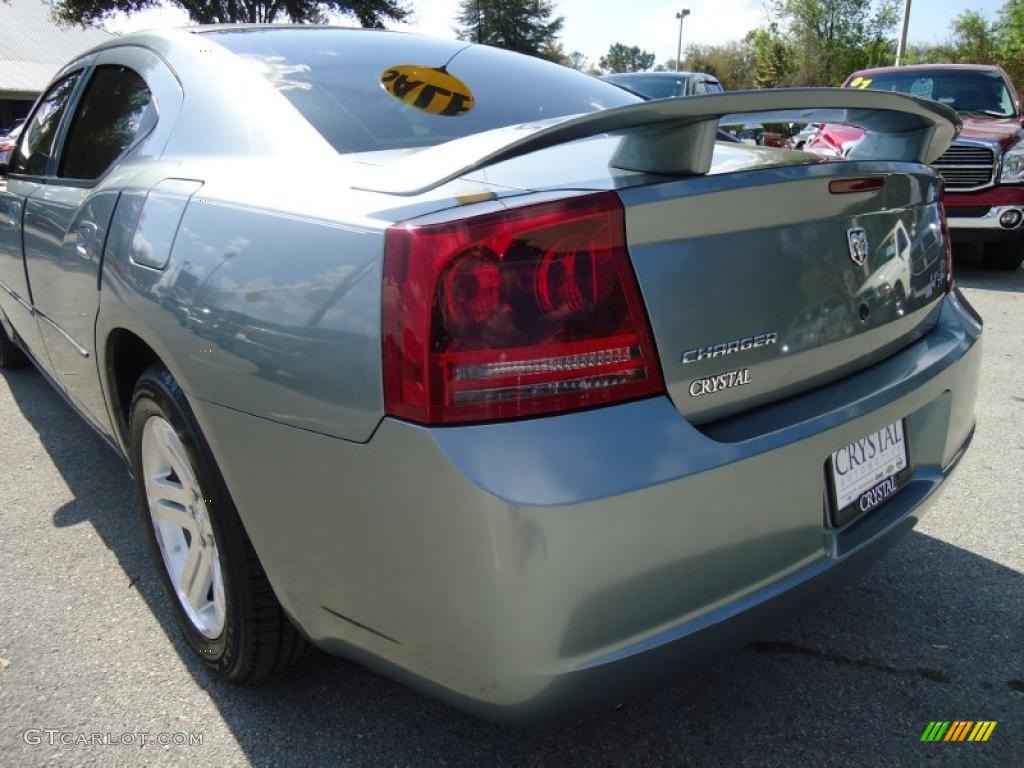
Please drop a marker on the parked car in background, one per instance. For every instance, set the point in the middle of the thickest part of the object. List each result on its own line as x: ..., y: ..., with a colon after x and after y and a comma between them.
x: 481, y: 371
x: 746, y: 134
x: 889, y: 264
x: 681, y: 84
x: 805, y: 134
x: 984, y: 168
x: 756, y: 134
x: 667, y: 85
x: 7, y: 131
x: 7, y: 143
x: 773, y: 139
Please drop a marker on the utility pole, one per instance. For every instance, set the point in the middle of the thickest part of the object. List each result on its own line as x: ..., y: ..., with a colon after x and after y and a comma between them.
x: 901, y: 50
x: 679, y: 51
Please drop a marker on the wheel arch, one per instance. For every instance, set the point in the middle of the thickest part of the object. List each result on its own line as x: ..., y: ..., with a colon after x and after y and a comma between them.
x: 126, y: 356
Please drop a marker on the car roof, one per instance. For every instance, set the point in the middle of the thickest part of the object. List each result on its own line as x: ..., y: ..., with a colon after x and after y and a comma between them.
x: 148, y: 37
x: 203, y: 28
x: 632, y: 75
x: 928, y: 68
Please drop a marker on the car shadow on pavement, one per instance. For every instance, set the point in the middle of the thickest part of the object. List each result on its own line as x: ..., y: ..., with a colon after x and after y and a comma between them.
x: 970, y: 271
x: 931, y: 632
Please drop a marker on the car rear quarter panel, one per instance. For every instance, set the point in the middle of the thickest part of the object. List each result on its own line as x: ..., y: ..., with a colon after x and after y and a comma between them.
x: 269, y: 302
x: 265, y: 312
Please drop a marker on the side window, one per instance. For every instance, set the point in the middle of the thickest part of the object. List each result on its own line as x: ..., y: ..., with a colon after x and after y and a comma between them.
x: 699, y: 88
x: 115, y: 108
x: 902, y: 242
x: 713, y: 87
x: 40, y: 133
x: 882, y: 256
x: 1006, y: 105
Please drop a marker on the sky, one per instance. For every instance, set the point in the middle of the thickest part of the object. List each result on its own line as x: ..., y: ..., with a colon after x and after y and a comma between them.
x: 591, y: 26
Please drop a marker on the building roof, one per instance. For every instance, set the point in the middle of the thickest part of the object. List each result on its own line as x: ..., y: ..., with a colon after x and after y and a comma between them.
x: 33, y: 46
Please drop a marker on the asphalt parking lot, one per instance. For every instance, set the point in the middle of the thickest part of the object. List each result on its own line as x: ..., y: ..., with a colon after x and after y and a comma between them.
x: 934, y: 632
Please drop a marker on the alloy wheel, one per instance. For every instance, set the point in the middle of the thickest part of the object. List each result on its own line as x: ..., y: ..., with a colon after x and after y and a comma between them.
x: 181, y: 522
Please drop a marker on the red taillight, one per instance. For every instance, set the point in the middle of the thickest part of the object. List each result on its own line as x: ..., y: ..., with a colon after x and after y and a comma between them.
x: 516, y: 313
x: 946, y: 242
x: 848, y: 186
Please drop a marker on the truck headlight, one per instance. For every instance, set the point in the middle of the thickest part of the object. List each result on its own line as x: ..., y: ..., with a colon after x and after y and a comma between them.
x: 1013, y: 165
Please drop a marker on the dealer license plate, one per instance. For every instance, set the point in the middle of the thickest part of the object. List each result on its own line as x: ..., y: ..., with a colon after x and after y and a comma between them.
x: 868, y: 471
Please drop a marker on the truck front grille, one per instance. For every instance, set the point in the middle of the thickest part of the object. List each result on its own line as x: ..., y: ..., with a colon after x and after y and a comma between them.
x: 966, y: 167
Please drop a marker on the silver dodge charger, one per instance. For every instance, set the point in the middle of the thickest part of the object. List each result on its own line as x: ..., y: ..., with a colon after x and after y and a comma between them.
x: 480, y: 371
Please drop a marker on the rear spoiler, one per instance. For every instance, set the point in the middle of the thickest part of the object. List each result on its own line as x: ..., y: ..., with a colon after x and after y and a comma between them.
x: 677, y: 136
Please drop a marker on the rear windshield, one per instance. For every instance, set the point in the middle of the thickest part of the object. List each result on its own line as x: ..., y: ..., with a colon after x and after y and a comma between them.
x: 968, y: 91
x: 654, y: 87
x: 337, y: 79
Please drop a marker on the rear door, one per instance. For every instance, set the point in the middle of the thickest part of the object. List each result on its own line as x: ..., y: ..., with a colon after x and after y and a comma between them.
x: 66, y: 221
x: 30, y: 162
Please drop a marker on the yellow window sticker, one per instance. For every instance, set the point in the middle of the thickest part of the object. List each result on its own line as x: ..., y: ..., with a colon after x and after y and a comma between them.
x: 860, y: 82
x: 428, y: 89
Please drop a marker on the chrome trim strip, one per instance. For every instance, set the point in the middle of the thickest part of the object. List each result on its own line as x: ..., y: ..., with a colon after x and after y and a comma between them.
x: 13, y: 294
x: 989, y: 221
x: 39, y: 313
x: 78, y: 347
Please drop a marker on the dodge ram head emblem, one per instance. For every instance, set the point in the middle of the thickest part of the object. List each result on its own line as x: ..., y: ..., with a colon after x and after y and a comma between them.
x: 858, y: 245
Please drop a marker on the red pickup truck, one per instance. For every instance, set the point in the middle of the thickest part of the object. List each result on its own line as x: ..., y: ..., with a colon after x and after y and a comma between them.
x: 983, y: 169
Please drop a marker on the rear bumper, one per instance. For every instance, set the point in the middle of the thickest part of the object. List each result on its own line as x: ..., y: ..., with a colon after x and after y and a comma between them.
x: 529, y: 569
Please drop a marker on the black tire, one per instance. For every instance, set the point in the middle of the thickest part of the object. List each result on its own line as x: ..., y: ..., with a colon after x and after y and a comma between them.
x: 11, y: 355
x: 1007, y: 256
x: 257, y: 639
x: 900, y: 296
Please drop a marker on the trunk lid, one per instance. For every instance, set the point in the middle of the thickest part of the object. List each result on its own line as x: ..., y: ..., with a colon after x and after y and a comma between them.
x: 752, y: 282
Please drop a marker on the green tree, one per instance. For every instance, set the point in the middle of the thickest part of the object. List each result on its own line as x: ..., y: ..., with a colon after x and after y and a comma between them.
x: 732, y: 63
x: 835, y: 37
x: 578, y: 60
x: 1010, y: 39
x: 880, y: 35
x: 524, y: 26
x: 626, y: 58
x: 702, y: 58
x: 974, y: 39
x: 554, y: 51
x: 773, y: 58
x: 931, y: 53
x: 371, y: 13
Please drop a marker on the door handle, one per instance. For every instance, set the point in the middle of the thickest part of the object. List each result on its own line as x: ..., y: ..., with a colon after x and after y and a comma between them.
x: 84, y: 238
